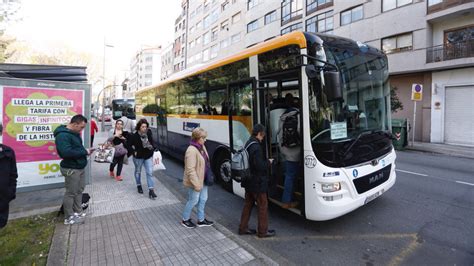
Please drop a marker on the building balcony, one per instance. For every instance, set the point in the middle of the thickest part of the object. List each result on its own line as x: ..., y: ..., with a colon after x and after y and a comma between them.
x: 451, y: 51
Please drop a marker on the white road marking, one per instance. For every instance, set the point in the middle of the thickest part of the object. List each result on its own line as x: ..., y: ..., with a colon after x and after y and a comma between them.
x: 465, y: 183
x: 408, y: 172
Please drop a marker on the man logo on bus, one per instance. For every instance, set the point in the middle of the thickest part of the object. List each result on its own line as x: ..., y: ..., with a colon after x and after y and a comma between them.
x: 46, y: 168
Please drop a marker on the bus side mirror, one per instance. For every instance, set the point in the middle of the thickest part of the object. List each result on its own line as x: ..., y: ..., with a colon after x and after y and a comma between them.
x: 332, y: 88
x: 311, y: 71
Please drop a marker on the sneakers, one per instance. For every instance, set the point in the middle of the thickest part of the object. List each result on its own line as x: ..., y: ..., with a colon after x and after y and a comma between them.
x: 111, y: 173
x: 205, y: 222
x: 118, y: 178
x: 81, y: 214
x: 188, y: 224
x: 73, y: 220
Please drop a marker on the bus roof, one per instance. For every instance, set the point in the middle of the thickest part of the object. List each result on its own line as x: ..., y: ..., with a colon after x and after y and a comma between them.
x: 296, y: 37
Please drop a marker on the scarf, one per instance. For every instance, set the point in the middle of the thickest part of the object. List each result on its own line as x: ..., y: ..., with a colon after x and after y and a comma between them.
x: 203, y: 154
x: 145, y: 142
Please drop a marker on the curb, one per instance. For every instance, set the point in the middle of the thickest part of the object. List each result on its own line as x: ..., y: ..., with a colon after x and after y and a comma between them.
x: 59, y: 245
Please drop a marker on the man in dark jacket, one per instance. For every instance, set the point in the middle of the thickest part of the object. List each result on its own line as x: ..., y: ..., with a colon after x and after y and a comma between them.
x: 8, y: 176
x: 256, y: 187
x: 70, y: 149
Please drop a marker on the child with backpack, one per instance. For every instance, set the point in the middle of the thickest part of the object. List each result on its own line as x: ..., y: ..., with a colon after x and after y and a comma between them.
x: 290, y: 147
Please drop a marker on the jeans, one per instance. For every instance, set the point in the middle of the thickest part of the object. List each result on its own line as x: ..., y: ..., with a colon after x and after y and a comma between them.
x: 291, y: 169
x: 74, y: 182
x: 148, y: 169
x: 194, y: 198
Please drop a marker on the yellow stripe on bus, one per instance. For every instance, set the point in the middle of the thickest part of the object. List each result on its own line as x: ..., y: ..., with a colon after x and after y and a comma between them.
x: 245, y: 120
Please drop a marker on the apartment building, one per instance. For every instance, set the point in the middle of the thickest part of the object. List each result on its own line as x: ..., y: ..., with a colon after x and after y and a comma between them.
x: 180, y: 32
x: 167, y: 61
x: 145, y: 69
x: 427, y: 42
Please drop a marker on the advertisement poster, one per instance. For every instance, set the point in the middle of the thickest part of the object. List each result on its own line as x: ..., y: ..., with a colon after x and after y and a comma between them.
x: 30, y: 116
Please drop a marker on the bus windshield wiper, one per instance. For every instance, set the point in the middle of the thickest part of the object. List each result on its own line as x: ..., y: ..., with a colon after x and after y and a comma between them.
x: 363, y: 133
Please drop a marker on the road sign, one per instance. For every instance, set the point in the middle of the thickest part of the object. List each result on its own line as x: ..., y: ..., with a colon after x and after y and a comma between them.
x: 416, y: 92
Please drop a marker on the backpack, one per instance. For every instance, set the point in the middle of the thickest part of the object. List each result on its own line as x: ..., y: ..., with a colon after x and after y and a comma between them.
x: 240, y: 165
x: 291, y: 137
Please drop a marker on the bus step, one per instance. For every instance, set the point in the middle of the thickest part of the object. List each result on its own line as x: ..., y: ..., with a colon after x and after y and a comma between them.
x: 296, y: 193
x: 279, y: 203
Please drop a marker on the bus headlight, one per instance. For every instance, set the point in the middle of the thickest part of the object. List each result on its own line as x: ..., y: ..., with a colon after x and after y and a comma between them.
x: 331, y: 187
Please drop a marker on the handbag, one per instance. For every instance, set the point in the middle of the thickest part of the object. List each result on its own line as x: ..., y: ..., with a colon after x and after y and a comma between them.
x: 104, y: 154
x: 120, y: 150
x: 208, y: 177
x: 158, y: 162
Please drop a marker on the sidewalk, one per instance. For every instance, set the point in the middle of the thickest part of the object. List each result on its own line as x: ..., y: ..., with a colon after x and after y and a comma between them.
x: 123, y: 227
x: 446, y: 149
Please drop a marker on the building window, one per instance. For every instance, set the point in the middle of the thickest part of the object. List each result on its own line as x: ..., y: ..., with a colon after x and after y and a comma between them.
x: 191, y: 44
x: 251, y: 4
x: 224, y: 43
x: 191, y: 29
x: 206, y: 22
x: 225, y: 5
x: 295, y: 27
x: 434, y: 2
x: 198, y: 40
x: 214, y: 51
x: 225, y: 25
x: 198, y: 25
x: 290, y: 10
x: 205, y: 55
x: 214, y: 34
x: 321, y: 23
x: 392, y: 4
x: 252, y: 26
x: 236, y: 18
x: 270, y: 17
x: 398, y: 43
x: 352, y: 15
x: 206, y: 38
x: 235, y: 38
x: 313, y: 5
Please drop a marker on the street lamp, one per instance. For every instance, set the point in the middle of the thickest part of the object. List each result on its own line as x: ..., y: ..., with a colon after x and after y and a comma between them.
x: 103, y: 64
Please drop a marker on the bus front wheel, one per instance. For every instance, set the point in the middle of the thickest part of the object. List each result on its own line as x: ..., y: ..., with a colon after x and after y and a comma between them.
x: 223, y: 172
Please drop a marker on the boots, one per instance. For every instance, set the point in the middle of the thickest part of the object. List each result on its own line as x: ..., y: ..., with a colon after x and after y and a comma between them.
x: 140, y: 190
x: 151, y: 194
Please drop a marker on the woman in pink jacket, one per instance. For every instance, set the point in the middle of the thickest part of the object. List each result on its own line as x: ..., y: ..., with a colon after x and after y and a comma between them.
x: 196, y: 167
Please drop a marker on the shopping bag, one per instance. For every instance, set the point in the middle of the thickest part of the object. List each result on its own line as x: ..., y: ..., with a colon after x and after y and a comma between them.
x: 104, y: 154
x: 157, y: 162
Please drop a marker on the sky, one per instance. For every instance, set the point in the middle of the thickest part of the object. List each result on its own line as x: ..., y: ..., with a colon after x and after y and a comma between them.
x: 82, y: 25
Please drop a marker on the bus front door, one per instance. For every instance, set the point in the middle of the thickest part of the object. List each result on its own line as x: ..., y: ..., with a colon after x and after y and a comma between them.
x: 241, y: 117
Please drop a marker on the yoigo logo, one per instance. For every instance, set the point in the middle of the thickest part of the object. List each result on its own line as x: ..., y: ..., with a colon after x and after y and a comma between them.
x: 45, y: 168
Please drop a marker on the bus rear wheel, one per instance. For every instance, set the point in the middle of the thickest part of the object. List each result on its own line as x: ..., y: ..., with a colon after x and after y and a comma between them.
x: 223, y: 173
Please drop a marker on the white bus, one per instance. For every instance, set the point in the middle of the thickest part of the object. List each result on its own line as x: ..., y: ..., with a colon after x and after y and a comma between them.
x: 347, y: 154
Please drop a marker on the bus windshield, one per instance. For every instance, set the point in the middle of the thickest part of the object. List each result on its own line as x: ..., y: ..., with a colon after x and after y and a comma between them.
x: 123, y: 107
x: 354, y: 129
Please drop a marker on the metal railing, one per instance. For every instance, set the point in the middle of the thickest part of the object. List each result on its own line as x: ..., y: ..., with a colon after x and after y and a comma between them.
x: 450, y: 51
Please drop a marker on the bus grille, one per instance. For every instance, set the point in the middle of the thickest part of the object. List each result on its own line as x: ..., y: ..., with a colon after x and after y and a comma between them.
x: 372, y: 180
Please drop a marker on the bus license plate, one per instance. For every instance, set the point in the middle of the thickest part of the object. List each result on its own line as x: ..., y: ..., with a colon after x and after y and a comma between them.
x: 373, y: 196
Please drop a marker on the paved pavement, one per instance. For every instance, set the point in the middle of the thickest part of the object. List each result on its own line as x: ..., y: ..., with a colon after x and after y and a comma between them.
x: 446, y: 149
x: 123, y: 227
